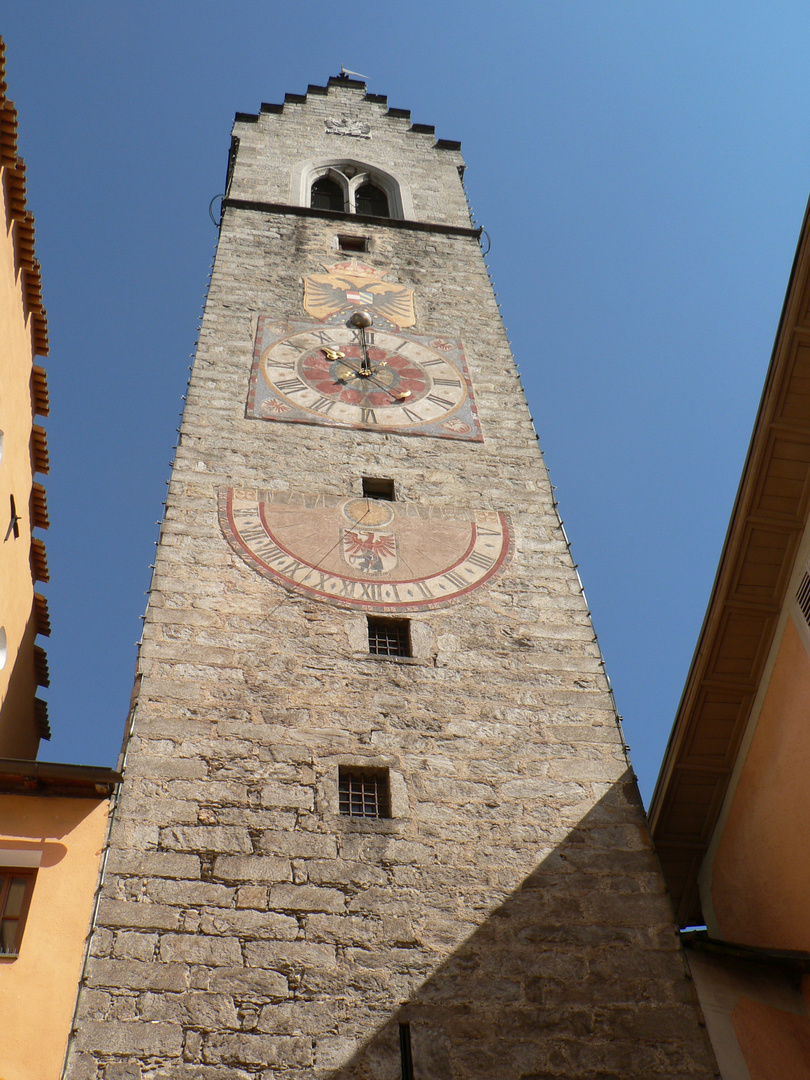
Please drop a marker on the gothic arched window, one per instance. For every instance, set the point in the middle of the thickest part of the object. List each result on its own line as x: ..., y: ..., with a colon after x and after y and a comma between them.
x: 327, y: 195
x: 350, y: 187
x: 369, y: 199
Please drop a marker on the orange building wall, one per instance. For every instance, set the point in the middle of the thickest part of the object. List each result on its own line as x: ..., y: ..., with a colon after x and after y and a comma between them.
x: 760, y: 875
x: 757, y: 1017
x: 38, y: 988
x: 775, y: 1043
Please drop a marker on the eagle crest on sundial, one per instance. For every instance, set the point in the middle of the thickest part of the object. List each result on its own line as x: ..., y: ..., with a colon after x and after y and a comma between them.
x: 346, y: 286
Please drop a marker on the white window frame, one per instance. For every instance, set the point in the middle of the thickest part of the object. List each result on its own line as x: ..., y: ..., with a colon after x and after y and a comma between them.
x: 350, y: 174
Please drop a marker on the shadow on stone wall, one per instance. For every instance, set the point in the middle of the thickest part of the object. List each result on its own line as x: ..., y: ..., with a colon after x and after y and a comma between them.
x: 578, y: 974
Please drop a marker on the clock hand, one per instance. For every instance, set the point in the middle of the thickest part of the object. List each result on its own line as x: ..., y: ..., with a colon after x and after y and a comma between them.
x: 362, y: 320
x: 333, y: 354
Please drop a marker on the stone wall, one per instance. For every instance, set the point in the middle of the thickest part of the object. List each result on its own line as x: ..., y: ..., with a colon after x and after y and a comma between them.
x: 511, y: 910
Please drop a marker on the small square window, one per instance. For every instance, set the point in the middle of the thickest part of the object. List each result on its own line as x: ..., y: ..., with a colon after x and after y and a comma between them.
x: 389, y: 637
x: 16, y: 887
x: 378, y: 487
x: 353, y: 243
x: 363, y: 793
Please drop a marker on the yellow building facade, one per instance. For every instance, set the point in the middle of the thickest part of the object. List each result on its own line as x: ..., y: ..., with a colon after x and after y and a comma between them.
x: 52, y: 826
x: 23, y: 454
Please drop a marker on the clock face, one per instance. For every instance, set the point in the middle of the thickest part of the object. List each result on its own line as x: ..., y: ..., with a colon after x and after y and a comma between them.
x: 410, y: 383
x: 363, y: 553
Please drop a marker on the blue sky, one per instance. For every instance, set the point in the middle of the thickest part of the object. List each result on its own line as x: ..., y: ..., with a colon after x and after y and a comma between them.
x: 641, y: 168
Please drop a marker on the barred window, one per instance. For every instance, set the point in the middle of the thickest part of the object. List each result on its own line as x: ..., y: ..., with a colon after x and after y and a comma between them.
x: 389, y: 637
x: 363, y: 793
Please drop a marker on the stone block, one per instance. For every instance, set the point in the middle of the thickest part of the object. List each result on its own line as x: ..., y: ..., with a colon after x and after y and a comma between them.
x: 206, y: 838
x: 116, y: 913
x: 251, y: 924
x: 252, y: 868
x: 211, y: 1012
x: 252, y: 896
x: 123, y: 1071
x: 168, y: 864
x: 251, y: 1050
x: 199, y: 949
x: 255, y: 983
x: 132, y: 1038
x: 302, y: 845
x: 294, y: 898
x: 133, y: 946
x: 283, y: 796
x: 287, y: 955
x: 190, y: 893
x: 134, y: 975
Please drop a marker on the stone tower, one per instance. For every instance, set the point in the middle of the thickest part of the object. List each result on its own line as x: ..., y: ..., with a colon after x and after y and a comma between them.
x: 377, y: 818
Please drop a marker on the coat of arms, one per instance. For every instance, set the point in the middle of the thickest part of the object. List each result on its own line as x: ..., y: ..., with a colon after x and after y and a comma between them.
x: 349, y: 285
x: 366, y: 546
x: 342, y: 125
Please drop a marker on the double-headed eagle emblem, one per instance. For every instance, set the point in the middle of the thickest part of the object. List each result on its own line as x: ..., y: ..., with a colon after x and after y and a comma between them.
x: 350, y: 285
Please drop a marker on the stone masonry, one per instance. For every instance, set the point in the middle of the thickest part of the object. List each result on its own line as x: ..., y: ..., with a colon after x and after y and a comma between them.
x: 510, y: 911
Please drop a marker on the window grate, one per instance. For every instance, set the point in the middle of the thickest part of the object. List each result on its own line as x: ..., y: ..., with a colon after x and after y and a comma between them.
x: 389, y: 637
x: 364, y: 793
x: 803, y: 597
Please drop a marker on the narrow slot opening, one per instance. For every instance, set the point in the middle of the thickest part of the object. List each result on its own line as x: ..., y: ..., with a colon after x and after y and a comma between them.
x: 405, y: 1051
x: 378, y: 487
x: 353, y: 243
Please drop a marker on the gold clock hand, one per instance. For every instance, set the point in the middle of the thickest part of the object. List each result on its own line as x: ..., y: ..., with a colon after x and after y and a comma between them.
x: 333, y: 354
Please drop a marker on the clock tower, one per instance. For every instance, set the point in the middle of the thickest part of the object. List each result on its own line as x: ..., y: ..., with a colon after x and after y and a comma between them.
x: 377, y: 818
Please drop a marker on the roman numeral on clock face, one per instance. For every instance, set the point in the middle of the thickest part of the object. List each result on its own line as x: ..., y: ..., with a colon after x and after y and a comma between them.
x: 289, y: 346
x: 479, y: 559
x: 291, y: 386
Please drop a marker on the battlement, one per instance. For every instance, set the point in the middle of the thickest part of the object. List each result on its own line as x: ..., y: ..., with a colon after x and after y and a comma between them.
x: 338, y: 82
x: 280, y: 151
